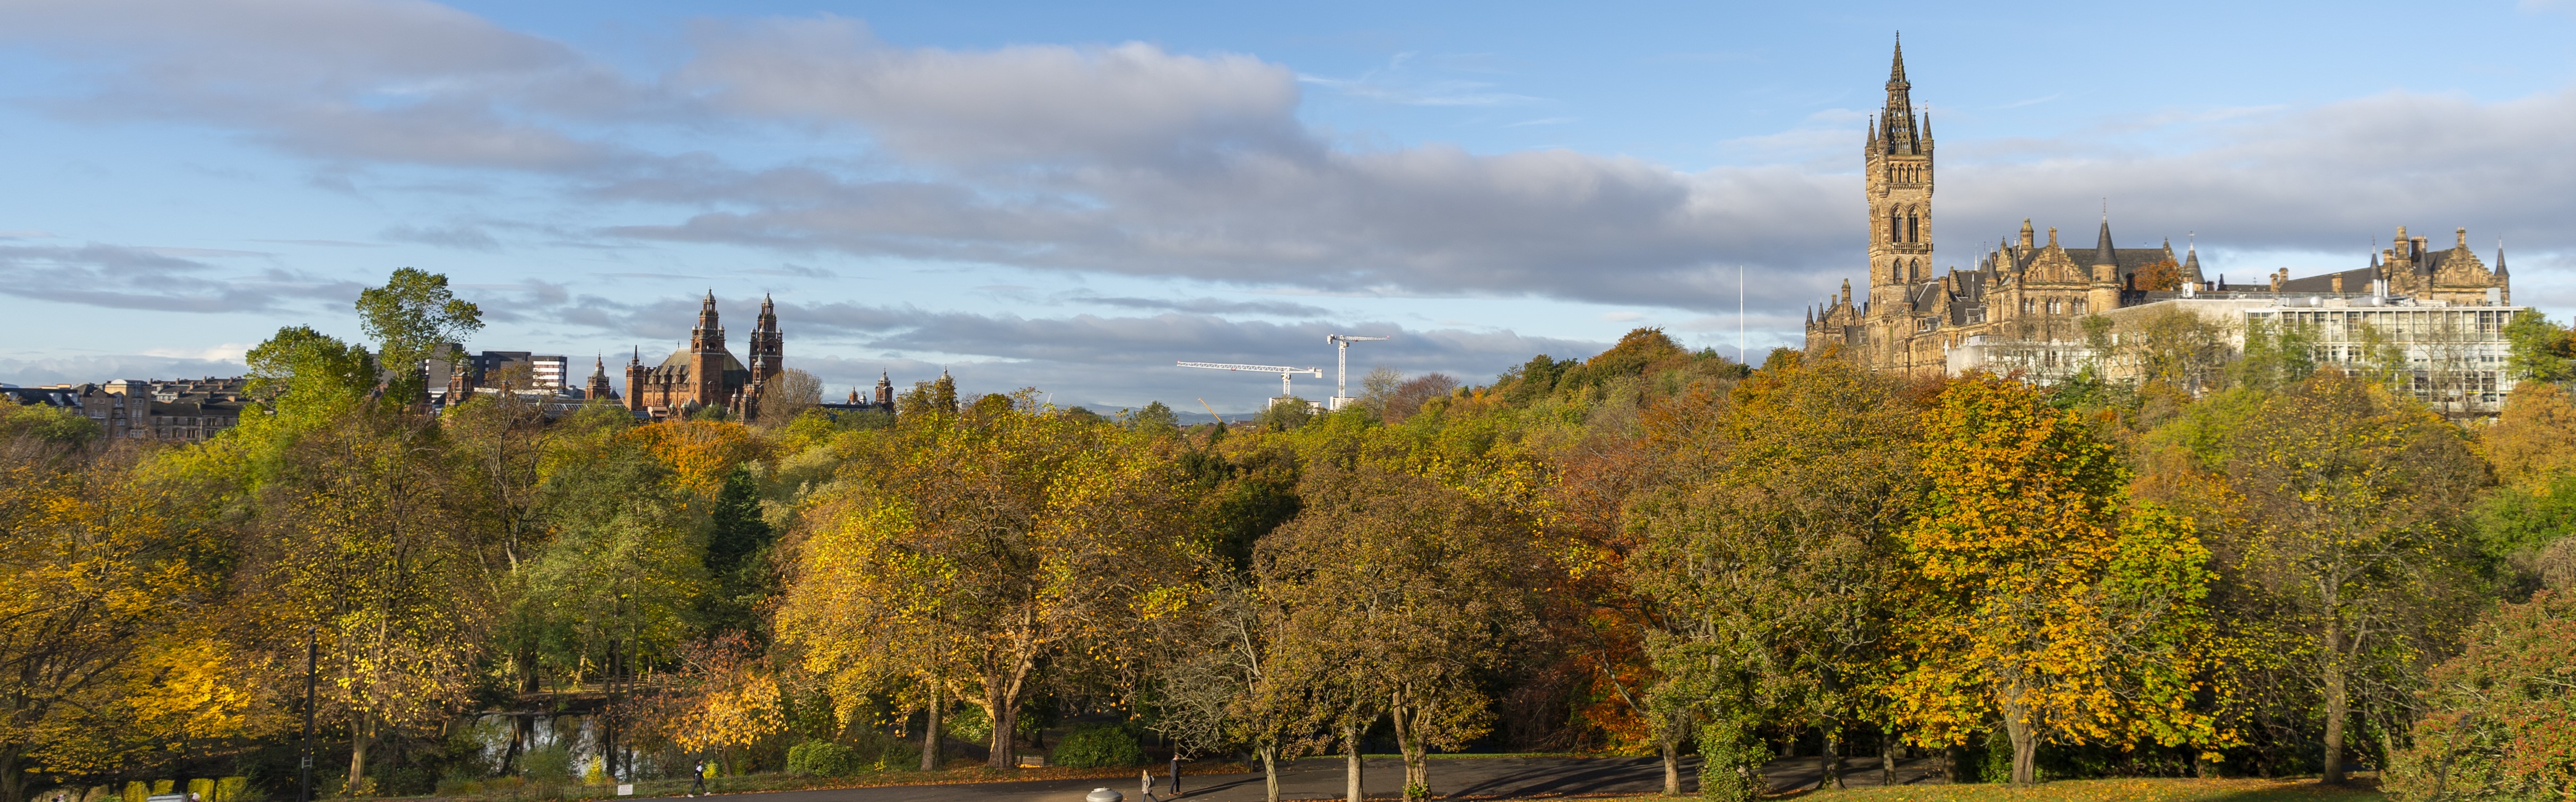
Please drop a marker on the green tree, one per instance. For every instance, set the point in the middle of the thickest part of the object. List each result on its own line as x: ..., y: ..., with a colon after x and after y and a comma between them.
x: 737, y: 556
x: 2538, y: 349
x: 1772, y: 551
x: 410, y: 317
x: 2351, y: 499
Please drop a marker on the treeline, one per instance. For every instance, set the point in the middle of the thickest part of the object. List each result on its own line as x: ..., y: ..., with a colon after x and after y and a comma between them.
x: 1651, y: 551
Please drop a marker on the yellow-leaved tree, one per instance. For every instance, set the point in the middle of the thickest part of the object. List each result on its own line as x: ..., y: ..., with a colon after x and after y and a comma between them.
x: 2036, y: 595
x: 967, y: 549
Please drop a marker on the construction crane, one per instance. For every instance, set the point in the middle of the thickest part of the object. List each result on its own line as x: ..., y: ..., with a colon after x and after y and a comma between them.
x: 1342, y: 367
x: 1283, y: 371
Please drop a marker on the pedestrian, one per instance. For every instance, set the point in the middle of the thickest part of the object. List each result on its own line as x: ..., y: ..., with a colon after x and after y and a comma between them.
x: 1145, y: 783
x: 698, y: 777
x: 1176, y: 774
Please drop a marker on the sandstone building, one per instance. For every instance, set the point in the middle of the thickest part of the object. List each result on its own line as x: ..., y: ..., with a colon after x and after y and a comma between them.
x: 704, y: 374
x: 2025, y: 304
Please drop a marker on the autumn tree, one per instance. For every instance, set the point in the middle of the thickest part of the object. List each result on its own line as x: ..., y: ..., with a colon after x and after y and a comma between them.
x: 96, y: 593
x: 2500, y: 712
x: 362, y: 541
x: 2351, y: 499
x: 2035, y: 593
x: 1772, y: 555
x: 981, y: 546
x: 1406, y: 589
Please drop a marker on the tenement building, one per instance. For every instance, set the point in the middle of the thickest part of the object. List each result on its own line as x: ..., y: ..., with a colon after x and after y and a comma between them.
x: 2048, y: 309
x: 704, y: 374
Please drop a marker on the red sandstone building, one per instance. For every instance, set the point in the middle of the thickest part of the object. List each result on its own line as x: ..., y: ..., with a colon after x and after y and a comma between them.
x: 703, y: 374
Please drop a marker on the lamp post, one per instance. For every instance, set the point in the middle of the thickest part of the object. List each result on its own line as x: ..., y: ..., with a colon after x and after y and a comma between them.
x: 304, y: 769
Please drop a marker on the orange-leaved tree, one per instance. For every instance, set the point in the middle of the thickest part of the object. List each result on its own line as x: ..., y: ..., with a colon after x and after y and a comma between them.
x: 2036, y: 594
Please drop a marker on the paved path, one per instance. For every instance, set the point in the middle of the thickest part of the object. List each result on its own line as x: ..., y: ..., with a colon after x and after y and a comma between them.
x: 1321, y: 778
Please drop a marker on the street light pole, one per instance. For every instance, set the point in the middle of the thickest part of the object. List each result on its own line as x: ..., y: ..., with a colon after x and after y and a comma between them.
x: 312, y: 654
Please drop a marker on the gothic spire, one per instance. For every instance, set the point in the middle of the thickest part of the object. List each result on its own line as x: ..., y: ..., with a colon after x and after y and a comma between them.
x: 1896, y: 124
x: 2499, y: 271
x: 2103, y: 253
x: 1896, y: 71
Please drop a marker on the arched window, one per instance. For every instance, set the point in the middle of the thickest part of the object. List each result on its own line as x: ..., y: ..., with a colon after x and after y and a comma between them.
x: 1913, y: 227
x: 1895, y: 227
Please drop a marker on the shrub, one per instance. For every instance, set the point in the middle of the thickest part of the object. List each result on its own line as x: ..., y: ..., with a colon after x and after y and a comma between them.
x: 229, y: 789
x: 551, y: 764
x: 1099, y: 746
x: 2497, y: 723
x: 822, y: 759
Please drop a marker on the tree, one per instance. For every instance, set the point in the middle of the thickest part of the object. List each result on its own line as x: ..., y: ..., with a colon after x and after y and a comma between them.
x: 2538, y: 349
x: 363, y: 541
x: 2350, y: 499
x: 2160, y: 276
x: 91, y: 576
x: 410, y: 317
x: 2035, y: 594
x: 737, y: 556
x: 1771, y: 552
x: 789, y: 395
x: 980, y: 547
x: 2498, y: 727
x: 1411, y: 588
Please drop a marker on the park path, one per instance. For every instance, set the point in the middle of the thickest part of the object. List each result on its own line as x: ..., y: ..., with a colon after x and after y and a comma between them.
x: 1315, y: 779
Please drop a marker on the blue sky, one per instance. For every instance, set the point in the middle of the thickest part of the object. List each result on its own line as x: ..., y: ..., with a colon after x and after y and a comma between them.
x: 1068, y: 197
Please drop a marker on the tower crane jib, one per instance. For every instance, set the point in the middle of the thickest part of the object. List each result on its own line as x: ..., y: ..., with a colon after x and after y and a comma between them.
x: 1284, y: 371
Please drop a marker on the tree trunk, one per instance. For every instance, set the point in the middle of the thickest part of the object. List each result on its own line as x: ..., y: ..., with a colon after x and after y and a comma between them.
x: 930, y: 734
x: 1672, y: 750
x: 1408, y: 741
x: 1351, y: 758
x: 13, y: 783
x: 361, y: 730
x: 2338, y: 701
x: 1829, y: 760
x: 1269, y: 771
x: 1887, y: 758
x: 2025, y: 748
x: 1006, y: 718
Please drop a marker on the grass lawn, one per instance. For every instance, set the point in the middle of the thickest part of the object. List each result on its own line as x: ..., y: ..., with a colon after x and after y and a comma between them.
x: 2127, y: 790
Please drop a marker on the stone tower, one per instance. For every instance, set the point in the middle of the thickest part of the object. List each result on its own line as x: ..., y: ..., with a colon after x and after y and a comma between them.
x: 1897, y: 177
x: 707, y: 355
x: 767, y: 345
x: 598, y: 387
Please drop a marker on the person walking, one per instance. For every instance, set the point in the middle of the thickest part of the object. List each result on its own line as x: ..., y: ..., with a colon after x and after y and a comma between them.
x: 1176, y: 774
x: 698, y: 778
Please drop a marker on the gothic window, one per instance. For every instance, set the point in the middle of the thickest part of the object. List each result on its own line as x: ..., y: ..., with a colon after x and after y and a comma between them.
x: 1894, y: 232
x: 2028, y: 306
x: 2054, y: 307
x: 1913, y: 227
x: 2079, y: 306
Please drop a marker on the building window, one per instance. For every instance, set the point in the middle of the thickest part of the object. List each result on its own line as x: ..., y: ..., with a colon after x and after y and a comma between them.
x: 2054, y: 307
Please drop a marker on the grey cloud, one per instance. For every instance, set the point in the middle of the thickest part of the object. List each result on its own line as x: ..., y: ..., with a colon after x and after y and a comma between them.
x: 122, y: 277
x: 1128, y: 103
x: 1207, y: 306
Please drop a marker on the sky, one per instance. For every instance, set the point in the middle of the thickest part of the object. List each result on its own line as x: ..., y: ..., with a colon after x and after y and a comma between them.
x: 1073, y: 197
